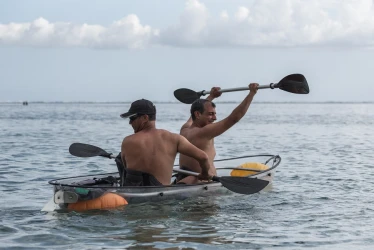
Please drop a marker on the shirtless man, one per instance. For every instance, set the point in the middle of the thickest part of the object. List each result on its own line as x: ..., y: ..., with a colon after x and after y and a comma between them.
x: 149, y: 153
x: 200, y: 130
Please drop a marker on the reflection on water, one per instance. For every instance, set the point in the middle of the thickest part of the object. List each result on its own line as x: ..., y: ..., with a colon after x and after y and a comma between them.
x: 171, y: 223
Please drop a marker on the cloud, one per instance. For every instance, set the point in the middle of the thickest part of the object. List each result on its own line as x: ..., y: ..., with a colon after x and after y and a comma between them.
x: 191, y: 29
x: 124, y: 33
x: 242, y: 14
x: 264, y: 23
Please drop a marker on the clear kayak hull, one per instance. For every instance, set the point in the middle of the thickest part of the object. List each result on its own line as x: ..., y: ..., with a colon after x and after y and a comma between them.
x: 90, y: 187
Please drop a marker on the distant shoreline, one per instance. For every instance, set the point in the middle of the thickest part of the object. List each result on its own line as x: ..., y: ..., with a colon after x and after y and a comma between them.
x: 160, y: 102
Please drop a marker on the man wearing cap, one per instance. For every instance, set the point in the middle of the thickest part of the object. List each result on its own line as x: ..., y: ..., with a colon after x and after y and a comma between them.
x: 148, y: 155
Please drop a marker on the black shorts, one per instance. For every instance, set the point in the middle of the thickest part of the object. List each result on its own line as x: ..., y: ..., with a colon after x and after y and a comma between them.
x: 181, y: 176
x: 138, y: 178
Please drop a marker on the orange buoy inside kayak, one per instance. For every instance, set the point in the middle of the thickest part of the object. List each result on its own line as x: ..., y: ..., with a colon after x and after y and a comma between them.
x: 106, y: 201
x: 249, y: 165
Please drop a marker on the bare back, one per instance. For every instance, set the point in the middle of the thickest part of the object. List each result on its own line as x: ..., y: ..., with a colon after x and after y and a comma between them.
x: 152, y: 151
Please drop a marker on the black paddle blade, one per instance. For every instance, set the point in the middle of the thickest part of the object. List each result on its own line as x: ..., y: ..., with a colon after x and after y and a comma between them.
x: 86, y: 150
x: 243, y: 185
x: 295, y: 83
x: 186, y: 96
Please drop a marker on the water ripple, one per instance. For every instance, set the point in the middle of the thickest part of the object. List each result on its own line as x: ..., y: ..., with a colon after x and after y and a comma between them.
x: 321, y: 197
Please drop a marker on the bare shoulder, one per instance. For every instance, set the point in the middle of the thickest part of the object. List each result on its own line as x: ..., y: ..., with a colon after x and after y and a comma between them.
x: 167, y: 134
x: 195, y: 132
x: 160, y: 130
x: 127, y: 139
x: 185, y: 127
x: 184, y: 131
x: 163, y: 132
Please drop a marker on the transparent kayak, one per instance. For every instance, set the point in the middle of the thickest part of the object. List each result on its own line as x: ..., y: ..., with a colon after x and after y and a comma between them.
x: 90, y: 187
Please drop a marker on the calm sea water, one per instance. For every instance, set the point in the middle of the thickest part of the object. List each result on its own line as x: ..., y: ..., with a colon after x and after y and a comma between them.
x: 322, y: 196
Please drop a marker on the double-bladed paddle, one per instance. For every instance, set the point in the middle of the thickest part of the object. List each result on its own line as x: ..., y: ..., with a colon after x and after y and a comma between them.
x: 294, y: 83
x: 241, y: 185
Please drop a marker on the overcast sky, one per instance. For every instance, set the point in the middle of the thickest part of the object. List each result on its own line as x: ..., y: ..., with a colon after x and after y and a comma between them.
x: 115, y: 50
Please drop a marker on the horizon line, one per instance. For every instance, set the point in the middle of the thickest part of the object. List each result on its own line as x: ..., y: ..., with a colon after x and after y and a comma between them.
x: 175, y: 102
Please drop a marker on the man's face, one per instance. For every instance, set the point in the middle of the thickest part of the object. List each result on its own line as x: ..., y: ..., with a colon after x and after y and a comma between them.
x: 209, y: 114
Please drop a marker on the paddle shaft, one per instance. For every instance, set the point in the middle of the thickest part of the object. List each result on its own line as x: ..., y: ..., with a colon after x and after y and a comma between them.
x: 271, y: 86
x: 215, y: 178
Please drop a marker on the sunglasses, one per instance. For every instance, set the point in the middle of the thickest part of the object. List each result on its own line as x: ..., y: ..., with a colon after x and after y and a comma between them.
x: 134, y: 117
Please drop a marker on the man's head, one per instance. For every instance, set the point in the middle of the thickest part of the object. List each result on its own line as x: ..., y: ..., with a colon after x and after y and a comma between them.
x: 141, y: 109
x: 204, y: 111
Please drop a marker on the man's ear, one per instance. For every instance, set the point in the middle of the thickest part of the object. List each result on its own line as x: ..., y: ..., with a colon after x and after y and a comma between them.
x: 197, y: 114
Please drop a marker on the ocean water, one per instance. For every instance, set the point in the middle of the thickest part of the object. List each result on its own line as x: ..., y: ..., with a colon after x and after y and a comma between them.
x: 321, y: 198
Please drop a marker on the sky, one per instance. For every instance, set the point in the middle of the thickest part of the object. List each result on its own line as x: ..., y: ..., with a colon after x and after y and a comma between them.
x: 121, y: 51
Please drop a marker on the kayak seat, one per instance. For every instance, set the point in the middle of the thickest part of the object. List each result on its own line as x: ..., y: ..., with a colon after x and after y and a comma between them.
x: 121, y: 168
x: 134, y: 178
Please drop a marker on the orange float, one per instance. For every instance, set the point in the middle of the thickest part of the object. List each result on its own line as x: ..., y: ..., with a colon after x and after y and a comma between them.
x: 248, y: 165
x: 106, y: 201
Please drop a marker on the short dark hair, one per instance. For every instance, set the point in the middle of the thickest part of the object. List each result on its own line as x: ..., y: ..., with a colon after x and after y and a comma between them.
x: 152, y: 117
x: 198, y: 105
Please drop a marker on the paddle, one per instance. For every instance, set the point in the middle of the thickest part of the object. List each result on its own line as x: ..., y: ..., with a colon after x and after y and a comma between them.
x: 295, y: 83
x: 86, y: 150
x: 241, y: 185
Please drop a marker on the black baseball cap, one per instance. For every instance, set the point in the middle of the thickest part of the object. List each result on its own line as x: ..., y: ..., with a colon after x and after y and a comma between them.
x: 141, y: 106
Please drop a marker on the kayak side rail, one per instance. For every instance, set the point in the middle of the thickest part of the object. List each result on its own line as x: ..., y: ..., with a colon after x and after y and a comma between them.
x: 177, y: 191
x: 248, y: 156
x: 276, y: 161
x: 245, y: 156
